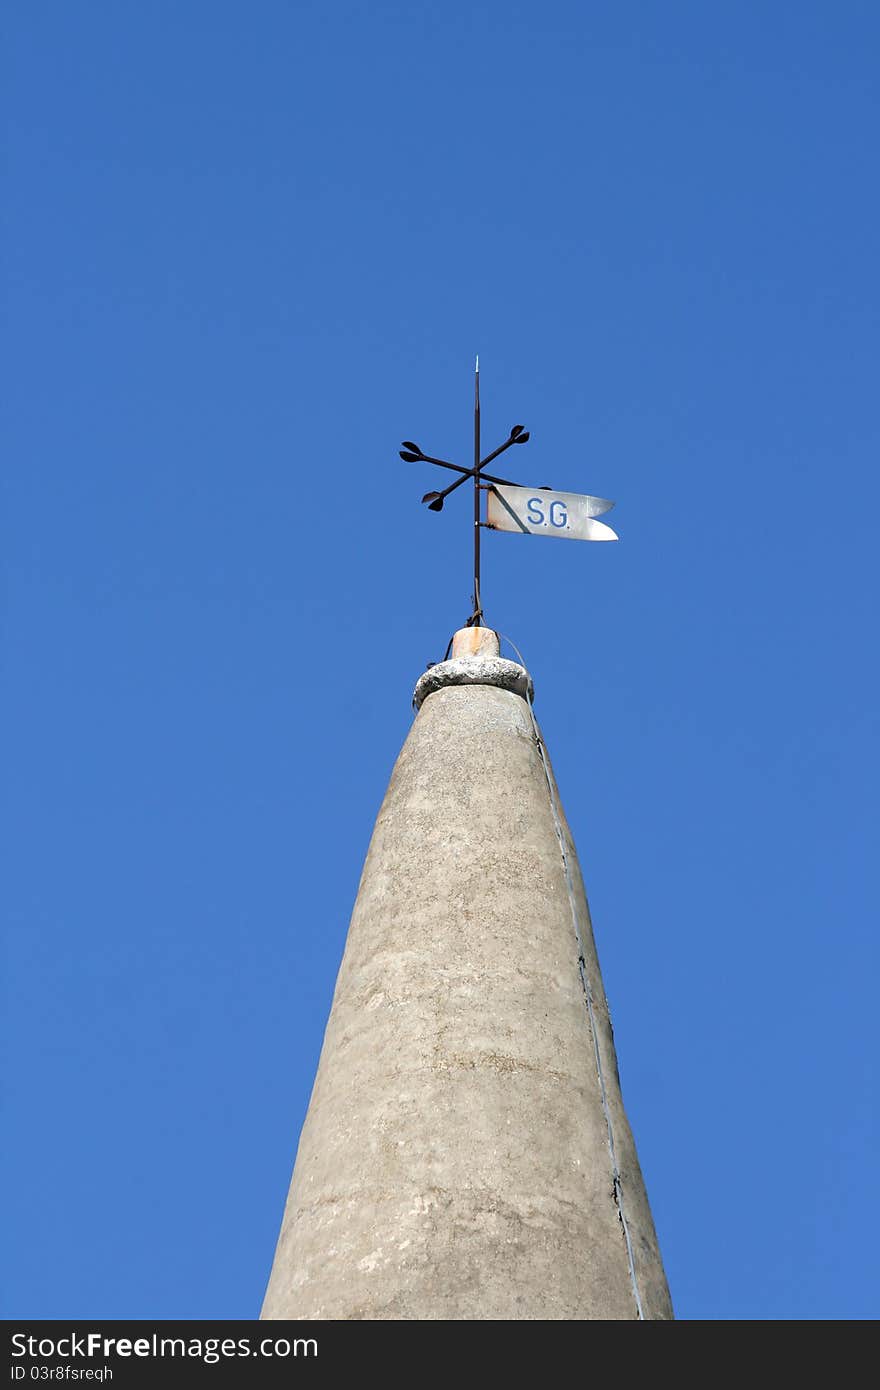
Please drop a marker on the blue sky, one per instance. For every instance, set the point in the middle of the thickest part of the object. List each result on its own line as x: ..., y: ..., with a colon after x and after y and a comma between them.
x: 248, y: 249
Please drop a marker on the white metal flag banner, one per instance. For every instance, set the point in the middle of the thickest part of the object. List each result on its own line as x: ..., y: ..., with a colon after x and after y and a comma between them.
x: 542, y: 512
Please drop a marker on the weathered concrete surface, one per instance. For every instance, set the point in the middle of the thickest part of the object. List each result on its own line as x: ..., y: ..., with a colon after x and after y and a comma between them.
x: 454, y: 1162
x: 475, y: 641
x: 471, y: 670
x: 475, y: 660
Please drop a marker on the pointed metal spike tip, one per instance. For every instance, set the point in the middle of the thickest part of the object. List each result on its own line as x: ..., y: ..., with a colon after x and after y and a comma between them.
x: 433, y: 497
x: 409, y: 457
x: 522, y: 438
x: 408, y: 444
x: 436, y: 506
x: 516, y: 431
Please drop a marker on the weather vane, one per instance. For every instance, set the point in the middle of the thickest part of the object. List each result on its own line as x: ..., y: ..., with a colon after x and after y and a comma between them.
x: 510, y: 507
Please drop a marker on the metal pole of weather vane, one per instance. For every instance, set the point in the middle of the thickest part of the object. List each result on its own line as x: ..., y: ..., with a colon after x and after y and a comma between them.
x: 478, y: 606
x: 510, y: 507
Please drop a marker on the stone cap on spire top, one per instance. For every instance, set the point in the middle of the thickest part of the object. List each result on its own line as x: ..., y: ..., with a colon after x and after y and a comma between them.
x: 475, y: 659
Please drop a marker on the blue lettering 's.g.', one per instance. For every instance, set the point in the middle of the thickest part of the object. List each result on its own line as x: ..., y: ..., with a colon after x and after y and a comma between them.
x: 557, y: 509
x: 534, y: 512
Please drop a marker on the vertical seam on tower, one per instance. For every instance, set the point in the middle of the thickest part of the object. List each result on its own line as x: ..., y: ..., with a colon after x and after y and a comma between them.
x: 588, y: 995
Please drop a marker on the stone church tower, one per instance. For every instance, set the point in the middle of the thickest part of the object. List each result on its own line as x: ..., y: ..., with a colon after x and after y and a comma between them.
x: 466, y: 1154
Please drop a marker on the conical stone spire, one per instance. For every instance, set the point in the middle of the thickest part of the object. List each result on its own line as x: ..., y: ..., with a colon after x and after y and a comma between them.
x: 466, y: 1154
